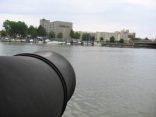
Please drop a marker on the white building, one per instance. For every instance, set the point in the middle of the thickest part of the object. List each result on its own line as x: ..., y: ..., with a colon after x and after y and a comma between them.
x: 123, y: 34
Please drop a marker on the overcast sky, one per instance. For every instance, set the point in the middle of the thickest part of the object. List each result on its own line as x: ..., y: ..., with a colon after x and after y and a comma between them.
x: 138, y: 16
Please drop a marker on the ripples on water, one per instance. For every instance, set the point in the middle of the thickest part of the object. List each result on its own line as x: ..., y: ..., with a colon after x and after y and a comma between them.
x: 111, y: 82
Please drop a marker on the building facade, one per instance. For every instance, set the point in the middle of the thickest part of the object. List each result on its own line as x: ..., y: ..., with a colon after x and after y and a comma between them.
x: 123, y: 34
x: 106, y: 35
x: 57, y: 27
x: 65, y: 28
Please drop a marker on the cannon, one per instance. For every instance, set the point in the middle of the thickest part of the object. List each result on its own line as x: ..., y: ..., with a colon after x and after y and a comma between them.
x: 35, y: 84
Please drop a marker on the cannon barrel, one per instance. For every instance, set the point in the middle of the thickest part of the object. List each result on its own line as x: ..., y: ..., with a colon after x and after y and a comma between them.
x: 35, y: 84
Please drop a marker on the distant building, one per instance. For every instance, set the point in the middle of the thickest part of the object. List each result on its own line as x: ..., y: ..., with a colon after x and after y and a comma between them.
x: 131, y: 35
x: 57, y: 27
x: 124, y: 34
x: 106, y: 35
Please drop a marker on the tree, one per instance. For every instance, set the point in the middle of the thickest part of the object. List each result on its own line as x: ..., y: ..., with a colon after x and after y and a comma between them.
x: 51, y: 34
x: 77, y: 35
x: 3, y: 33
x: 21, y: 28
x: 85, y: 37
x: 92, y: 38
x: 101, y: 39
x: 32, y: 31
x: 112, y: 39
x: 71, y: 33
x: 15, y: 28
x: 146, y: 38
x: 60, y: 35
x: 41, y: 31
x: 121, y: 41
x: 9, y: 27
x: 6, y: 25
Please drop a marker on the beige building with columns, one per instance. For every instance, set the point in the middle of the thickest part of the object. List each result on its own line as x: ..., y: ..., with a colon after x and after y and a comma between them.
x: 123, y: 34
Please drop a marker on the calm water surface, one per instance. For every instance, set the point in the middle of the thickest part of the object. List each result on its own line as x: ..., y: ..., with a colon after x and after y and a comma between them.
x: 111, y: 82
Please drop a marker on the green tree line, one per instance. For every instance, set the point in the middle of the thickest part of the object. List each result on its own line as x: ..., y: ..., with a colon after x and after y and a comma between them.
x: 74, y: 35
x: 14, y: 29
x: 112, y: 40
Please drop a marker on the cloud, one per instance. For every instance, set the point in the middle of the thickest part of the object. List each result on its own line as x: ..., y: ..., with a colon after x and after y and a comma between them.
x: 88, y: 15
x: 147, y: 3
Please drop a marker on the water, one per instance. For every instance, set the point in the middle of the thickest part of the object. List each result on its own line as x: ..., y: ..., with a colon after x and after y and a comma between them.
x: 111, y: 82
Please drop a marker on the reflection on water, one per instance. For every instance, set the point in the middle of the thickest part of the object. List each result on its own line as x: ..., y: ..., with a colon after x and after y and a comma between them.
x: 111, y: 82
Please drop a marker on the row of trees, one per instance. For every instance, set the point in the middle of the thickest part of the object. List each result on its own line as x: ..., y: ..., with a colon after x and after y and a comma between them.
x: 136, y: 39
x: 74, y: 35
x: 52, y: 35
x: 13, y: 28
x: 112, y: 40
x: 19, y: 28
x: 85, y: 37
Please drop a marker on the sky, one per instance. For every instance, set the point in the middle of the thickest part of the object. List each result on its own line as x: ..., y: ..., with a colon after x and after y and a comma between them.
x: 137, y: 16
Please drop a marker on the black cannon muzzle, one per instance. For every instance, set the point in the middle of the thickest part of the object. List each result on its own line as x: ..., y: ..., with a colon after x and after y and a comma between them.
x: 35, y: 84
